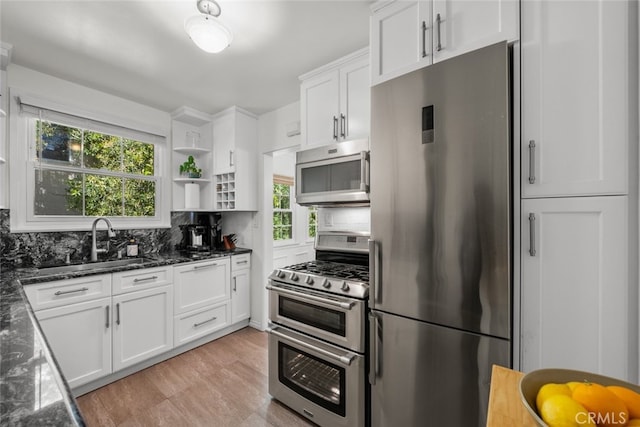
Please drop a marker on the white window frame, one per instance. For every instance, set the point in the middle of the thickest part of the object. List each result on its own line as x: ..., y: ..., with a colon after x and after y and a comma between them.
x: 22, y: 176
x: 292, y: 209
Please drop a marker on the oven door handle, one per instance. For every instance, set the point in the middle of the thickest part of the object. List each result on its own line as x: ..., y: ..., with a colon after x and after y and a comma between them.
x: 345, y: 360
x: 347, y: 305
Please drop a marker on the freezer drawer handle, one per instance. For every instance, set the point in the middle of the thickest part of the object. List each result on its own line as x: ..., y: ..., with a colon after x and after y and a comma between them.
x: 438, y: 24
x: 532, y: 234
x: 532, y: 162
x: 347, y: 305
x: 71, y: 291
x: 373, y: 339
x: 345, y: 360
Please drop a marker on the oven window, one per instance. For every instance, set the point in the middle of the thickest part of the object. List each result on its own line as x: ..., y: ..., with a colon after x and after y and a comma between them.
x: 319, y: 317
x: 319, y: 381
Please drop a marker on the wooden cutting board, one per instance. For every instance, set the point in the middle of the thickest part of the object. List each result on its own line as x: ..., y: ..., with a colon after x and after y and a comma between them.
x: 505, y: 407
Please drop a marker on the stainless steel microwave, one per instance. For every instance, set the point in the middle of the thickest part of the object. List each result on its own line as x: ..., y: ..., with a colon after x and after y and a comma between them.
x: 336, y: 174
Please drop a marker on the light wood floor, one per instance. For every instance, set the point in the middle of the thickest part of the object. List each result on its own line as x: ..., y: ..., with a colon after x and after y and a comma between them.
x: 222, y: 383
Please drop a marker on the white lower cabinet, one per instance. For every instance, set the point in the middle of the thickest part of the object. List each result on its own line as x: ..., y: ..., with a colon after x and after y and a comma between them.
x: 240, y: 288
x: 142, y: 325
x: 200, y: 284
x: 80, y: 338
x: 575, y: 284
x: 198, y: 323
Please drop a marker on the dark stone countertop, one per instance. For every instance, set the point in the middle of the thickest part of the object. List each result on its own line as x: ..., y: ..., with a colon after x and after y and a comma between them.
x: 33, y: 391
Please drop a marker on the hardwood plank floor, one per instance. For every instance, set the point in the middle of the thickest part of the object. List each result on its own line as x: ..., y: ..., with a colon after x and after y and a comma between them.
x: 222, y: 383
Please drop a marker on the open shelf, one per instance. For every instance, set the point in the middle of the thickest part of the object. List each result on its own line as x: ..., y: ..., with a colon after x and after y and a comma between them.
x: 186, y: 179
x: 192, y: 151
x: 226, y: 191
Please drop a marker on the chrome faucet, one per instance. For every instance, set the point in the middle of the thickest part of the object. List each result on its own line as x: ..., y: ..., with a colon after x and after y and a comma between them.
x: 94, y: 247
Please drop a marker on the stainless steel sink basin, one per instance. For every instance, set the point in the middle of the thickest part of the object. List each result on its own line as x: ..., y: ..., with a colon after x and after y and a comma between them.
x: 91, y: 266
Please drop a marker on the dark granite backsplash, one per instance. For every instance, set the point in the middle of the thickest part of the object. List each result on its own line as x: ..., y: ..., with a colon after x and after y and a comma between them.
x: 40, y: 248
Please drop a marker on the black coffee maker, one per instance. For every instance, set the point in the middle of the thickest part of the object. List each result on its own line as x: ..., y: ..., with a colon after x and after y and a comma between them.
x: 203, y: 234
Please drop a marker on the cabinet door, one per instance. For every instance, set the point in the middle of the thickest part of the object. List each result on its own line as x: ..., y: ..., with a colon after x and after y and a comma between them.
x: 200, y: 284
x: 400, y: 39
x: 574, y: 97
x: 241, y: 295
x: 80, y: 338
x: 224, y: 136
x: 461, y: 26
x: 575, y: 284
x: 355, y: 100
x: 142, y: 325
x: 319, y: 105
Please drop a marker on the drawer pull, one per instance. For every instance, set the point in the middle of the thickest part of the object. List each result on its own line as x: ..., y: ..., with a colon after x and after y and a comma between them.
x: 195, y: 325
x: 242, y: 262
x: 71, y: 292
x: 198, y: 267
x: 144, y: 279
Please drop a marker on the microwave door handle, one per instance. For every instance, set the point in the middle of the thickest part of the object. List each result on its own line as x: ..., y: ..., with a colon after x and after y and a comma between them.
x: 347, y: 305
x: 364, y: 171
x: 345, y: 360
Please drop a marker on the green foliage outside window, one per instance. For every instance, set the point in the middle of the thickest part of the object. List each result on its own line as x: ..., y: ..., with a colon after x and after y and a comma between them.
x: 92, y: 174
x: 282, y: 213
x: 312, y: 222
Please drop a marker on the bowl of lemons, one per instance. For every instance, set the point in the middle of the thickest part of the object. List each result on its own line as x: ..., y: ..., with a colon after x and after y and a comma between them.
x: 567, y: 398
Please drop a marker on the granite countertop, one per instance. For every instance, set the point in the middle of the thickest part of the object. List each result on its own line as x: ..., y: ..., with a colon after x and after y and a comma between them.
x: 33, y: 390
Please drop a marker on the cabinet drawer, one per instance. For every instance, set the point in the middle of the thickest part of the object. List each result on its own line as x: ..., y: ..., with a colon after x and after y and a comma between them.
x: 198, y: 323
x: 69, y: 291
x: 134, y: 280
x: 239, y: 262
x: 201, y: 284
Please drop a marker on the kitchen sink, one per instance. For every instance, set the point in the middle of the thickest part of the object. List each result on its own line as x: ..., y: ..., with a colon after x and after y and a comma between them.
x: 91, y: 266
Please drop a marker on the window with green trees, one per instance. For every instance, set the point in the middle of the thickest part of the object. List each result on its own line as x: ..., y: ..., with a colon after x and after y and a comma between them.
x: 282, y: 211
x: 312, y: 222
x: 81, y: 172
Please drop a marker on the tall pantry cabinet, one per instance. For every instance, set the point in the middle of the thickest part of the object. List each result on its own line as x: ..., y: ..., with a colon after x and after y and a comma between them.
x: 574, y: 187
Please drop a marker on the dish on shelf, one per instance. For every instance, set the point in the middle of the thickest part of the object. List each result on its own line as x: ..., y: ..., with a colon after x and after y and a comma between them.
x: 531, y: 383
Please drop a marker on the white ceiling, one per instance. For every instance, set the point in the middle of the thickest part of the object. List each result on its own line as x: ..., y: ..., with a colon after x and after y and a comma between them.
x: 138, y: 49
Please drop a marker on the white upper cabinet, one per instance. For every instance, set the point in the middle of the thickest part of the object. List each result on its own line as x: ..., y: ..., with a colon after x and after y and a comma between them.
x: 575, y: 97
x: 575, y: 285
x: 462, y: 26
x: 335, y: 101
x: 400, y: 39
x: 407, y: 35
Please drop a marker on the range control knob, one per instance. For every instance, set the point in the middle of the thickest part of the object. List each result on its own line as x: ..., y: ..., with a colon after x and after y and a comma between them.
x: 345, y: 286
x: 326, y: 283
x: 280, y: 274
x: 308, y: 280
x: 294, y: 277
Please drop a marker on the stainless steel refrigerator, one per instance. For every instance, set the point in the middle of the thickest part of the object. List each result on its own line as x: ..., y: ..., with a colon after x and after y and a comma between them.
x: 441, y: 228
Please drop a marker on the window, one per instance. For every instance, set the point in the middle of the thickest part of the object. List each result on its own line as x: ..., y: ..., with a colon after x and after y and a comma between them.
x: 81, y: 172
x: 312, y: 222
x: 282, y: 209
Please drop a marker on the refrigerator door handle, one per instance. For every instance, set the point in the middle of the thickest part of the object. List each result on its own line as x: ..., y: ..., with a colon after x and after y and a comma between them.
x: 374, y: 269
x: 374, y: 368
x: 532, y: 234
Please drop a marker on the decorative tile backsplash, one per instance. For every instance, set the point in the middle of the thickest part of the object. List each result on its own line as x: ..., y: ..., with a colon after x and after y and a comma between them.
x: 39, y: 248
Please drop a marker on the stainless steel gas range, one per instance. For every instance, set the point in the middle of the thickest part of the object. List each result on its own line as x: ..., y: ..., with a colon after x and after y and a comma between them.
x: 317, y: 334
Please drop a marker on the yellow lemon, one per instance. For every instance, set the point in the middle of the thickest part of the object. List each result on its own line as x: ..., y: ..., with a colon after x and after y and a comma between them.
x: 572, y: 384
x: 561, y: 410
x: 551, y: 389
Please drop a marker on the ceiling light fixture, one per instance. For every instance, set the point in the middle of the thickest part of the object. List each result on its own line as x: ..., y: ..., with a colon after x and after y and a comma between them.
x: 206, y: 31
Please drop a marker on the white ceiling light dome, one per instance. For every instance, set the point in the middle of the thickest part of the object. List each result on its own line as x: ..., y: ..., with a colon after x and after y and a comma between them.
x: 206, y: 31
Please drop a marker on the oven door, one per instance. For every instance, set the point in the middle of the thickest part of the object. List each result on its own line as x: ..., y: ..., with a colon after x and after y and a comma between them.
x: 339, y: 320
x: 334, y: 181
x: 323, y: 382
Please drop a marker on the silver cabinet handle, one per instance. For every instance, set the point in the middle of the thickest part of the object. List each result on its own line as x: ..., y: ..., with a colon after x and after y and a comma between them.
x: 195, y: 325
x: 144, y: 279
x: 364, y: 171
x: 424, y: 39
x: 71, y: 292
x: 308, y: 297
x: 532, y: 162
x: 343, y: 126
x: 345, y: 360
x: 374, y: 256
x: 335, y: 128
x: 230, y: 157
x: 244, y: 261
x: 117, y: 313
x: 235, y: 284
x: 438, y: 25
x: 198, y: 267
x: 107, y: 321
x: 374, y: 368
x: 532, y: 234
